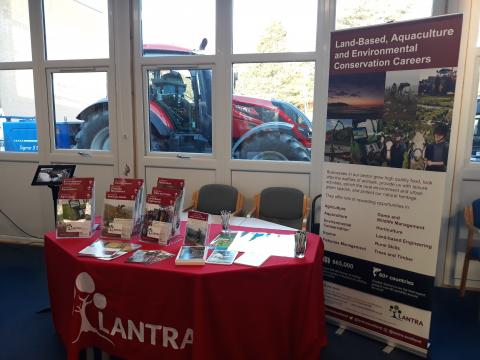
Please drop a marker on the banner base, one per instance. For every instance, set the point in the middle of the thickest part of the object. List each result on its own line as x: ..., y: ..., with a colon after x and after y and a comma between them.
x: 375, y: 336
x: 388, y: 349
x: 340, y: 330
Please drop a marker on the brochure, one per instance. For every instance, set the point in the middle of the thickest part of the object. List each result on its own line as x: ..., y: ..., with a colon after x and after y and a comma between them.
x: 106, y: 249
x: 158, y: 219
x: 119, y: 215
x: 120, y: 245
x: 138, y: 185
x: 76, y: 208
x: 177, y: 185
x: 191, y: 255
x: 223, y: 257
x: 96, y: 250
x: 223, y: 241
x: 196, y: 233
x: 77, y: 182
x: 176, y: 195
x: 149, y: 256
x: 252, y: 259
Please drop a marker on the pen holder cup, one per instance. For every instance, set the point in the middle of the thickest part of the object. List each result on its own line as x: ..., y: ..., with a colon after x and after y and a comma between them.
x: 300, y: 244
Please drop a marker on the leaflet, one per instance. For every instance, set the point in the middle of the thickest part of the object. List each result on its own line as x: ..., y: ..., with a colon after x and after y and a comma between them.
x: 107, y: 249
x: 252, y: 259
x: 259, y: 242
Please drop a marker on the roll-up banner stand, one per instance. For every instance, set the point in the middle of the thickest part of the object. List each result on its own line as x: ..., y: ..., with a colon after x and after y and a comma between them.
x: 390, y: 101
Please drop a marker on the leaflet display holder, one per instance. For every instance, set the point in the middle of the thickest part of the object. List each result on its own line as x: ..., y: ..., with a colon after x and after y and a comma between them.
x: 52, y: 176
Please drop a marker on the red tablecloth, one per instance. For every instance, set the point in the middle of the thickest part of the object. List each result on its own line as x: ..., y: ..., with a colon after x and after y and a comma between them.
x: 166, y: 311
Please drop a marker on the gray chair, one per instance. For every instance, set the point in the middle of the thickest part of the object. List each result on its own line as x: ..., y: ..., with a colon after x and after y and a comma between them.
x: 282, y: 205
x: 213, y: 198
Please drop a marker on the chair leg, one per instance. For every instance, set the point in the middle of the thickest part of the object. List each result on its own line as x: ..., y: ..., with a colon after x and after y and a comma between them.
x: 463, y: 282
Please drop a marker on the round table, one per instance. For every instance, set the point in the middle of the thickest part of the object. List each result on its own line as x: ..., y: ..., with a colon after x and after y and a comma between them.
x: 167, y: 311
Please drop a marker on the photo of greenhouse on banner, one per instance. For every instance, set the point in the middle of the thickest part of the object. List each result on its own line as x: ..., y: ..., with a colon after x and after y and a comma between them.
x: 389, y: 118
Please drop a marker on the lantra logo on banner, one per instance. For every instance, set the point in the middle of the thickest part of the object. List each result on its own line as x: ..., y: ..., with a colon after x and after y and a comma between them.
x: 83, y: 295
x: 397, y: 314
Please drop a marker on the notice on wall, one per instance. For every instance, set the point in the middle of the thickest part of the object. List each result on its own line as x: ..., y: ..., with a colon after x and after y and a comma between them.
x: 389, y: 116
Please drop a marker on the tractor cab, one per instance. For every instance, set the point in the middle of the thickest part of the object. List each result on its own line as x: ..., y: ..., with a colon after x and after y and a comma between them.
x: 180, y: 110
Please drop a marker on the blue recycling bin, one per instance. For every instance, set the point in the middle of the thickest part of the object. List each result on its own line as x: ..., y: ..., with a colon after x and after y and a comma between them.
x: 62, y: 135
x: 20, y: 136
x: 65, y: 132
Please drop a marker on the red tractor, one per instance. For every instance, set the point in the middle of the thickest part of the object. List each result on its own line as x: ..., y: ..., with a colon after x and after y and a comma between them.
x: 180, y: 118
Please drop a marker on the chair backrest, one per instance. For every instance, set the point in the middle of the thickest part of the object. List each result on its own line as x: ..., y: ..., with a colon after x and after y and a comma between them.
x: 283, y: 205
x: 213, y: 198
x: 314, y: 227
x: 468, y: 213
x: 475, y: 213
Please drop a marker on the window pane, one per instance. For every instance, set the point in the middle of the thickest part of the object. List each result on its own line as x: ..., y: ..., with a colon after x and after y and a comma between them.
x: 272, y: 107
x: 354, y: 13
x: 180, y: 116
x: 76, y: 29
x: 476, y: 130
x: 18, y: 126
x: 178, y: 27
x: 81, y: 110
x: 270, y: 26
x: 15, y: 30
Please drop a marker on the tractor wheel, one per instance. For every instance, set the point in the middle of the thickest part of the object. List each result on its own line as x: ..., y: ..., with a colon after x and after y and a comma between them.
x: 273, y: 146
x: 156, y: 142
x: 94, y: 133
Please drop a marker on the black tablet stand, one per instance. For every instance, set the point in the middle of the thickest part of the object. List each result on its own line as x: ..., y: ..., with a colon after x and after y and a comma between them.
x: 55, y: 189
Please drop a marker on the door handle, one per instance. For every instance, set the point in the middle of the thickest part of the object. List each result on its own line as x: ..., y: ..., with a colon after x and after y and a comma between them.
x: 126, y: 170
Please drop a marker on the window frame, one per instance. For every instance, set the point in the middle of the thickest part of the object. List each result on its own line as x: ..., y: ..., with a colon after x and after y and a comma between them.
x: 51, y: 107
x: 24, y: 65
x: 146, y: 111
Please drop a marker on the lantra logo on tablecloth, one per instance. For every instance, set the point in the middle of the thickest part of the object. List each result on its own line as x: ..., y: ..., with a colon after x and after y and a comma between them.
x: 83, y: 295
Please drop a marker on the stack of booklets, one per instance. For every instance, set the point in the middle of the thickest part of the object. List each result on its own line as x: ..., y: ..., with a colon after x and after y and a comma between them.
x: 161, y: 220
x: 122, y: 214
x: 194, y: 249
x: 163, y: 184
x: 191, y: 255
x: 107, y: 249
x: 76, y: 207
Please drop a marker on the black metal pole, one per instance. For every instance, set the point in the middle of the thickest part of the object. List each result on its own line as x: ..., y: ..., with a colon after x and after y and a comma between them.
x: 55, y: 189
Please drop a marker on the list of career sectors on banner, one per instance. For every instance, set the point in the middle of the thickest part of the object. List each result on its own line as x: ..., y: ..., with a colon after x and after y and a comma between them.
x: 408, y: 324
x: 384, y: 217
